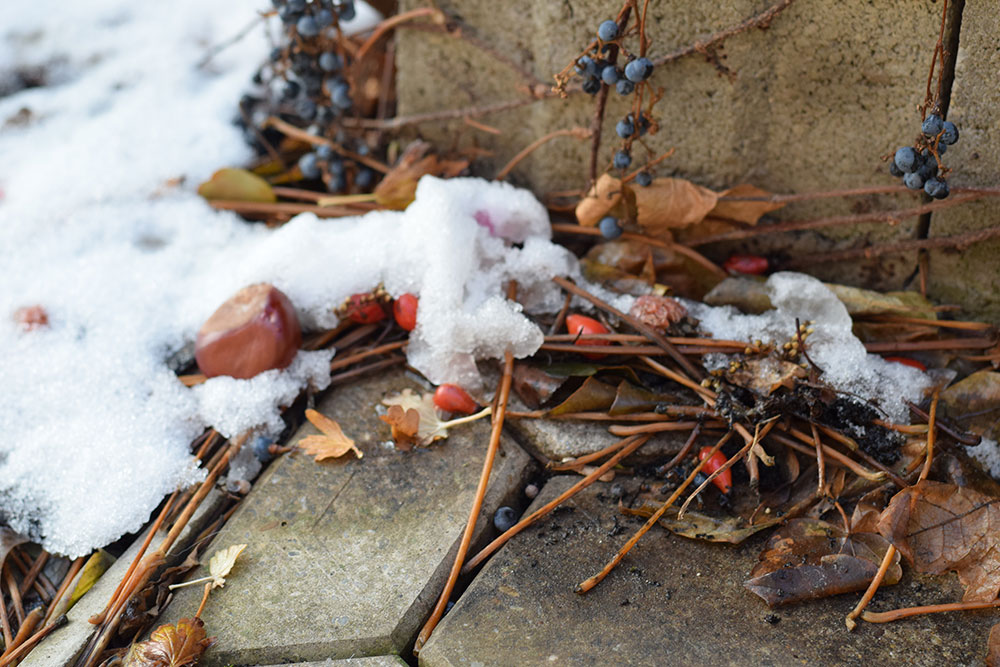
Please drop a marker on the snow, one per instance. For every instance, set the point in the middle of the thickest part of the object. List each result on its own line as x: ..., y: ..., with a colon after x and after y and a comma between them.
x: 987, y: 452
x: 127, y: 262
x: 846, y: 364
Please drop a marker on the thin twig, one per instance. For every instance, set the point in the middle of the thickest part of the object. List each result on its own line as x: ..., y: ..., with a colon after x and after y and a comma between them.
x: 297, y: 133
x: 343, y: 362
x: 437, y: 116
x: 393, y: 21
x: 17, y: 654
x: 575, y: 132
x: 721, y: 469
x: 907, y: 612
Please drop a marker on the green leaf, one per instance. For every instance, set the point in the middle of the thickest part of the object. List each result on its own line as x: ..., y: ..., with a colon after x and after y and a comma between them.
x: 232, y: 184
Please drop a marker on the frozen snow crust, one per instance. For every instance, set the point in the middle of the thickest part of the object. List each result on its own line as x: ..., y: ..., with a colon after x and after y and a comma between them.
x: 846, y: 364
x: 128, y: 264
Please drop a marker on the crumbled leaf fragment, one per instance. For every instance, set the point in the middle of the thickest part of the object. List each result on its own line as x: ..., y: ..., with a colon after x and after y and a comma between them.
x: 942, y: 527
x: 398, y: 188
x: 603, y: 199
x: 331, y: 444
x: 430, y: 426
x: 222, y: 562
x: 232, y: 184
x: 404, y: 425
x: 180, y: 645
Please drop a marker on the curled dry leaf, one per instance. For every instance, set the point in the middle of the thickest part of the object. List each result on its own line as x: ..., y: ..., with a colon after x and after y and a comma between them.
x: 178, y: 645
x: 658, y: 312
x: 429, y: 428
x: 766, y: 375
x: 404, y: 425
x: 603, y: 199
x: 222, y: 562
x: 232, y: 184
x: 943, y: 527
x: 699, y: 526
x: 332, y: 444
x: 672, y: 203
x: 533, y: 385
x: 747, y: 211
x: 398, y: 188
x: 809, y: 558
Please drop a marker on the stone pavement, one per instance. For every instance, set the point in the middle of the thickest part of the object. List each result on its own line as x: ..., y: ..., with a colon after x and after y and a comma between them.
x: 346, y: 558
x: 672, y: 601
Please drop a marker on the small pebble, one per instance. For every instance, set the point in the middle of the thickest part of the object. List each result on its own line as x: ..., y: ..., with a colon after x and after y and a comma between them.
x: 531, y: 490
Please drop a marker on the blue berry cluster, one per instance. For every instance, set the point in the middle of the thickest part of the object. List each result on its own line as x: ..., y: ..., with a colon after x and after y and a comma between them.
x: 304, y: 83
x: 598, y: 70
x: 920, y: 167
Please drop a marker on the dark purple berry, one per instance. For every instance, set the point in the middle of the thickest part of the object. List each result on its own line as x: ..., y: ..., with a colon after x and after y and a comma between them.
x: 625, y: 87
x: 932, y: 125
x: 906, y: 159
x: 639, y: 70
x: 608, y: 31
x: 950, y: 134
x: 610, y: 229
x: 936, y: 188
x: 622, y: 160
x: 504, y: 519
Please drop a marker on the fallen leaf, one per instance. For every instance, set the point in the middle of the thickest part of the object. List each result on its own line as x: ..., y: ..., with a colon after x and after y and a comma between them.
x: 809, y: 558
x: 869, y: 302
x: 766, y: 375
x: 672, y: 203
x: 943, y: 527
x: 93, y: 569
x: 698, y: 526
x: 533, y: 385
x: 8, y: 540
x: 747, y: 294
x: 978, y: 393
x: 630, y: 399
x: 589, y: 396
x: 178, y: 645
x: 236, y: 185
x: 993, y: 647
x: 404, y: 425
x: 747, y: 212
x: 430, y: 427
x: 398, y: 188
x: 603, y: 199
x: 222, y: 562
x: 332, y: 444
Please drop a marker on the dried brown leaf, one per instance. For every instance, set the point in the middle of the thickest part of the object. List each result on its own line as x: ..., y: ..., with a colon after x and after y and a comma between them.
x: 332, y: 444
x: 430, y: 427
x: 398, y: 188
x: 178, y: 645
x: 747, y: 212
x: 943, y: 527
x: 993, y: 647
x: 604, y: 198
x: 533, y: 385
x: 672, y: 203
x: 809, y: 558
x: 237, y: 185
x: 222, y: 562
x: 404, y: 425
x: 766, y: 375
x: 978, y: 393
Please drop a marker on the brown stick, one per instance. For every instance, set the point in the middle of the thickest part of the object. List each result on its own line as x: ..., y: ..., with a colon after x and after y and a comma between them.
x: 297, y: 133
x: 31, y: 575
x: 944, y: 324
x: 463, y: 548
x: 721, y: 469
x: 575, y: 132
x: 64, y: 586
x: 15, y: 656
x: 603, y: 349
x: 281, y: 208
x: 589, y: 584
x: 15, y: 594
x: 680, y: 341
x: 942, y: 344
x: 907, y: 612
x: 820, y: 463
x: 628, y: 445
x: 395, y: 359
x: 625, y: 431
x: 385, y: 26
x: 343, y: 362
x: 27, y: 627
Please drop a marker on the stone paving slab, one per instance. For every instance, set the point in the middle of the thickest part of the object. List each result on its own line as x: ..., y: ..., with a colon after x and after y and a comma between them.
x: 971, y: 276
x: 346, y: 558
x: 673, y: 601
x: 374, y: 661
x: 63, y: 645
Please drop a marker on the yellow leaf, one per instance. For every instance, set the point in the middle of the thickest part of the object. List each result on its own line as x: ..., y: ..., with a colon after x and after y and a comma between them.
x: 602, y: 199
x: 332, y: 444
x: 96, y: 565
x: 222, y: 562
x: 672, y: 203
x: 178, y: 645
x: 236, y: 185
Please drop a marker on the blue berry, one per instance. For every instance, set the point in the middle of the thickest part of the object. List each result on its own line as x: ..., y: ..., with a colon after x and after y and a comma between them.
x: 306, y: 109
x: 607, y: 31
x: 950, y: 135
x: 586, y: 65
x: 309, y: 166
x: 906, y: 160
x: 622, y: 160
x: 346, y: 11
x: 592, y: 85
x: 335, y: 166
x: 643, y: 124
x: 928, y: 169
x: 913, y: 180
x: 610, y: 229
x: 306, y: 27
x: 936, y: 188
x: 337, y: 183
x: 365, y: 179
x: 644, y: 179
x: 504, y: 519
x: 894, y: 170
x: 942, y: 147
x: 324, y: 18
x: 329, y: 62
x: 625, y: 128
x: 639, y: 70
x: 932, y: 125
x: 609, y: 75
x: 324, y: 152
x: 297, y: 5
x: 341, y: 95
x: 260, y: 445
x: 624, y: 87
x: 291, y: 90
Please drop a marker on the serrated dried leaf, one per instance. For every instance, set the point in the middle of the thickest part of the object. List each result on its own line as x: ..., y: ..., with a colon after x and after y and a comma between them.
x: 332, y: 444
x: 943, y: 527
x: 603, y: 199
x: 222, y: 562
x: 430, y: 426
x: 232, y: 184
x: 404, y: 425
x: 672, y: 203
x: 398, y: 188
x: 180, y: 645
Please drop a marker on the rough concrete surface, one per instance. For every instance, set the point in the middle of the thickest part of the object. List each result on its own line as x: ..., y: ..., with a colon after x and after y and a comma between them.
x: 674, y: 601
x: 971, y: 276
x: 374, y: 661
x: 816, y: 100
x: 346, y: 558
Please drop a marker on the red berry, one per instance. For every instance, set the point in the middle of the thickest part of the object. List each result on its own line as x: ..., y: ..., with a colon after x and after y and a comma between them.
x: 754, y: 265
x: 906, y: 361
x: 255, y: 330
x: 31, y: 317
x: 405, y: 311
x: 581, y: 324
x: 452, y: 398
x: 364, y: 309
x: 724, y: 481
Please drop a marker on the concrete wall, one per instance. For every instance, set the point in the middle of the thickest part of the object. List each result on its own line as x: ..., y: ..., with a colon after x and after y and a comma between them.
x: 817, y: 99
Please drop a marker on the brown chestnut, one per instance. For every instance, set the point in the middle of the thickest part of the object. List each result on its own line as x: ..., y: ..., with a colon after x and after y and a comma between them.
x: 255, y: 330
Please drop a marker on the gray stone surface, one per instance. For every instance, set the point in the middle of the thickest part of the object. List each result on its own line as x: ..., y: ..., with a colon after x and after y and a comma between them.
x: 818, y: 98
x: 63, y: 645
x: 346, y: 558
x: 374, y: 661
x: 673, y: 601
x: 971, y: 276
x: 558, y: 439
